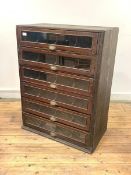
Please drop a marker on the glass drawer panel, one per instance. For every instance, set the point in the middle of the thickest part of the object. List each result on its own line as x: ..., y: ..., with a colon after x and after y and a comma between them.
x: 39, y: 75
x: 72, y: 134
x: 47, y: 94
x: 70, y: 40
x: 64, y: 115
x: 61, y: 98
x: 34, y: 37
x: 80, y: 84
x: 74, y: 62
x: 83, y: 64
x: 32, y: 106
x: 71, y: 117
x: 68, y: 62
x: 31, y: 120
x: 32, y: 90
x: 39, y: 108
x: 56, y: 128
x: 64, y: 99
x: 81, y: 103
x: 46, y: 110
x: 40, y: 123
x: 31, y: 73
x: 38, y: 57
x: 40, y: 92
x: 57, y: 60
x: 30, y: 56
x: 52, y: 38
x: 64, y: 81
x: 83, y: 41
x: 52, y: 78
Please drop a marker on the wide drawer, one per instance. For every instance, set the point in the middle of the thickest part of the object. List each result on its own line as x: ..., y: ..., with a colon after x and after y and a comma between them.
x: 57, y: 99
x: 54, y: 114
x: 65, y: 82
x: 58, y: 61
x: 56, y: 130
x: 71, y: 41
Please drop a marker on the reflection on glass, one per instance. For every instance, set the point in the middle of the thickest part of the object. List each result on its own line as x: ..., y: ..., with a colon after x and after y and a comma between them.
x: 58, y: 60
x: 73, y: 134
x: 51, y: 38
x: 71, y: 117
x: 40, y: 123
x: 61, y: 98
x: 66, y: 81
x: 39, y: 75
x: 65, y: 131
x: 75, y: 118
x: 38, y: 57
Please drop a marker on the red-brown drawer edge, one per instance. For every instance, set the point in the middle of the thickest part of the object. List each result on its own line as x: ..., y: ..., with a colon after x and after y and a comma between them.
x: 87, y: 110
x: 83, y: 72
x: 79, y: 50
x: 26, y: 116
x: 85, y: 126
x: 88, y: 92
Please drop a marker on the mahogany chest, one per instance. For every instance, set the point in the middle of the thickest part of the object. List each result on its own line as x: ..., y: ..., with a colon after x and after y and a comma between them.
x: 65, y: 77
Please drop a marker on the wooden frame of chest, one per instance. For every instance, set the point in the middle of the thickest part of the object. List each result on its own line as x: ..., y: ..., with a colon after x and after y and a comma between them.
x: 65, y: 77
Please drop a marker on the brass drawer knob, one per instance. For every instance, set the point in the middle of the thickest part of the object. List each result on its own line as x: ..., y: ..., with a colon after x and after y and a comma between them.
x: 53, y: 134
x: 53, y: 86
x: 52, y: 118
x: 53, y: 102
x: 52, y: 47
x: 53, y: 67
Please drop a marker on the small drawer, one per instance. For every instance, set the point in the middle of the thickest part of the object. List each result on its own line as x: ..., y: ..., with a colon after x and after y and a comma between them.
x: 53, y: 40
x: 54, y: 114
x: 65, y: 82
x: 57, y: 99
x: 56, y: 130
x: 58, y: 61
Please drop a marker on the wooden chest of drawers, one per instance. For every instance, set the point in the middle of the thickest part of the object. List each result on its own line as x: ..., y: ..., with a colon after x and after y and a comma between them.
x: 66, y: 75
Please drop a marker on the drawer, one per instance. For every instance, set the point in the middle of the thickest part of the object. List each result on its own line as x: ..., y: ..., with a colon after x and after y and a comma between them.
x: 54, y: 114
x: 65, y: 82
x: 68, y: 41
x: 56, y: 130
x: 58, y: 61
x: 57, y: 99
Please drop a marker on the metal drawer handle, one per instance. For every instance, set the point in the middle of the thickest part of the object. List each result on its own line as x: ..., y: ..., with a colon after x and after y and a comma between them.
x: 53, y: 134
x: 53, y: 86
x: 53, y: 67
x: 52, y: 118
x: 53, y: 102
x: 52, y: 47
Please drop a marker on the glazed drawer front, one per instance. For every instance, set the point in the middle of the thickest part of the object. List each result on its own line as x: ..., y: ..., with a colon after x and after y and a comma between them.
x: 63, y: 82
x: 54, y: 114
x: 57, y: 99
x: 71, y: 41
x: 56, y: 130
x: 59, y: 62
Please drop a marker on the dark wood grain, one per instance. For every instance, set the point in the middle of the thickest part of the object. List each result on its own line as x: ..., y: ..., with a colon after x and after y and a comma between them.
x: 85, y: 72
x: 85, y: 126
x: 77, y: 50
x: 99, y: 77
x: 86, y: 110
x: 103, y: 86
x: 48, y: 127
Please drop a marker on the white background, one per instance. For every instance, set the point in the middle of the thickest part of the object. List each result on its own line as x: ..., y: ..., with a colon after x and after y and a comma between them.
x: 80, y: 12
